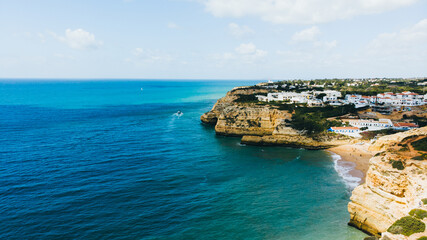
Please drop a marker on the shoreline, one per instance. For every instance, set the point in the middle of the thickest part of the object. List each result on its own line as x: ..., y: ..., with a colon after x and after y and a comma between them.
x: 352, y: 161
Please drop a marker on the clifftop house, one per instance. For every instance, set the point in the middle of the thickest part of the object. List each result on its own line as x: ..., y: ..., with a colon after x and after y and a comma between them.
x: 404, y: 99
x: 309, y: 97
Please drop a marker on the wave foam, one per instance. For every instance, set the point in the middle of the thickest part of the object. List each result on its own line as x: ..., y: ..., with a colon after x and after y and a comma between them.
x: 344, y: 170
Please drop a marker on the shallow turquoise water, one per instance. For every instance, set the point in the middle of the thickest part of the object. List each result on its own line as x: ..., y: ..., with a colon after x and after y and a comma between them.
x: 107, y: 160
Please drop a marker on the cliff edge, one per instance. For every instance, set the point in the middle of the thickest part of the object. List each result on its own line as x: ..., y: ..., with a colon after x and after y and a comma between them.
x: 396, y: 184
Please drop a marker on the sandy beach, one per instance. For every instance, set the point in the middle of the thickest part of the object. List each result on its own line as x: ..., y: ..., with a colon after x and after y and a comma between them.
x: 357, y: 153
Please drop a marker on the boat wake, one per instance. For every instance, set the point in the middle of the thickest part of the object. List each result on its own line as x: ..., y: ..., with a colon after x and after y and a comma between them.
x: 178, y: 114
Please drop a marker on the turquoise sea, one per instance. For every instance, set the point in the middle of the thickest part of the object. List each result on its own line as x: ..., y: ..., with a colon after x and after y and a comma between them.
x: 112, y: 160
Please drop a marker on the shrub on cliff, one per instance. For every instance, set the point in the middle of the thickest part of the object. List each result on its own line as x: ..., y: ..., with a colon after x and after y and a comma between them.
x: 368, y: 135
x: 424, y: 200
x: 397, y: 164
x: 422, y: 238
x: 421, y: 157
x: 418, y: 213
x: 246, y: 98
x: 370, y: 238
x: 407, y: 226
x: 420, y: 145
x: 307, y: 122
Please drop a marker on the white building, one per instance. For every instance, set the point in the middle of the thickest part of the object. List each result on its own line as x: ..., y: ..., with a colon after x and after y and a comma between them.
x: 262, y: 98
x: 359, y: 101
x: 349, y: 131
x: 404, y: 99
x: 330, y: 95
x: 372, y: 125
x: 303, y: 97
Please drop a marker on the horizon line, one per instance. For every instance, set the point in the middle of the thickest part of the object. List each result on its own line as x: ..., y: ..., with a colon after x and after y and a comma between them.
x: 195, y: 79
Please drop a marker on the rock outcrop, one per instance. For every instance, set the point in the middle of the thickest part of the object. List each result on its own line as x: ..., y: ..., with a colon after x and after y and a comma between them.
x: 297, y: 141
x: 395, y: 184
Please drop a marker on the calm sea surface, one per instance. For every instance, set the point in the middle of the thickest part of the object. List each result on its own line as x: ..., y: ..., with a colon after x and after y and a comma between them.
x: 110, y: 160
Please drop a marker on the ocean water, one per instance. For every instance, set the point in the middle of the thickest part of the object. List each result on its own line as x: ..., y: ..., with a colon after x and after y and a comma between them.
x: 112, y: 160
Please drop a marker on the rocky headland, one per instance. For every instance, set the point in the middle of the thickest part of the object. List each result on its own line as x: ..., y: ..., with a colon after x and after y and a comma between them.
x: 261, y: 124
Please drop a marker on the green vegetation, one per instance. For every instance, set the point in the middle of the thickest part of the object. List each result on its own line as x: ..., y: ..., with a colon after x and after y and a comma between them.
x: 324, y: 112
x: 312, y: 123
x: 320, y: 96
x: 370, y: 238
x: 378, y: 154
x: 422, y: 157
x: 313, y: 119
x: 420, y: 145
x: 367, y: 88
x: 404, y: 148
x: 397, y: 164
x: 407, y: 226
x: 418, y: 213
x: 368, y: 135
x: 422, y: 238
x: 246, y: 98
x: 424, y: 200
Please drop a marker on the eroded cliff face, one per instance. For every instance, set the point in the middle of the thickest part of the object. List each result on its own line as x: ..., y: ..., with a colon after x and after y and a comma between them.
x: 257, y: 124
x: 242, y: 120
x: 395, y: 184
x: 212, y: 116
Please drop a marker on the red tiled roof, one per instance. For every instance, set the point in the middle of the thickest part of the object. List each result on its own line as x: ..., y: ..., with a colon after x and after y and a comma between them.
x: 403, y: 124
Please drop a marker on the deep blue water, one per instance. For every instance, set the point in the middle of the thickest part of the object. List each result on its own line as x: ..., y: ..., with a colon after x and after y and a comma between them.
x: 110, y: 160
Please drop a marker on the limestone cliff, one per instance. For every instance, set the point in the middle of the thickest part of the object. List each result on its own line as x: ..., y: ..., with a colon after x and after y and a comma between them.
x: 395, y: 184
x: 228, y: 101
x: 257, y: 124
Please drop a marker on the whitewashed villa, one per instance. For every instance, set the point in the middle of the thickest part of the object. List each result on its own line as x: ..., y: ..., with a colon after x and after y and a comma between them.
x: 309, y: 97
x: 404, y: 99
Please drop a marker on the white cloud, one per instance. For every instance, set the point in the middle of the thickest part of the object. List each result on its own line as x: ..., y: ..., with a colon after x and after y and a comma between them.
x: 244, y: 53
x: 249, y: 50
x: 239, y: 31
x: 301, y: 11
x: 309, y: 34
x: 399, y: 52
x: 405, y: 41
x: 173, y: 25
x: 79, y: 39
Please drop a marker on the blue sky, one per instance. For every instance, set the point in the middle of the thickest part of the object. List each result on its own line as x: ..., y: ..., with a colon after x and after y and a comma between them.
x: 213, y: 39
